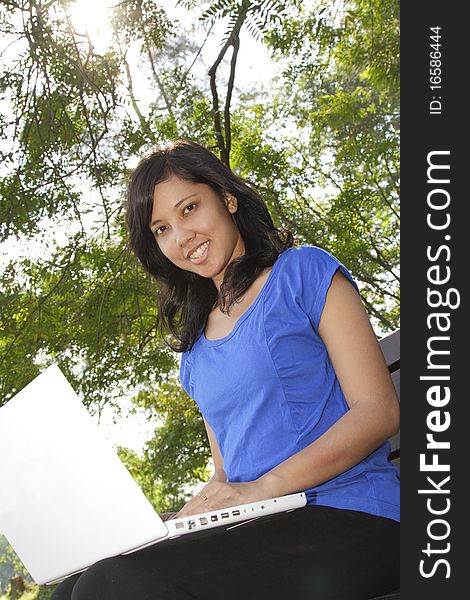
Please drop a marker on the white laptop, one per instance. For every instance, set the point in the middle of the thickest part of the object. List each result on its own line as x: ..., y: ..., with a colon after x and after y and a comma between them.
x: 67, y: 500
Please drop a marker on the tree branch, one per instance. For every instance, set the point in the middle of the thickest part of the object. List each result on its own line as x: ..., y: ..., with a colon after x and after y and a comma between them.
x: 234, y: 41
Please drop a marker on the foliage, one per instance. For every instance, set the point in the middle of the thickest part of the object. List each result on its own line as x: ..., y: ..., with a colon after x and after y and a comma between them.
x: 31, y: 592
x: 10, y: 565
x: 339, y: 100
x: 321, y: 143
x: 178, y: 453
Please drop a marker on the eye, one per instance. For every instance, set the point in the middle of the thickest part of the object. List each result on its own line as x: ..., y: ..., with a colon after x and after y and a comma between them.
x: 159, y: 230
x: 189, y: 208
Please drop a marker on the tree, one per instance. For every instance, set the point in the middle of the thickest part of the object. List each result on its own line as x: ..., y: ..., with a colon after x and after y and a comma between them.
x: 10, y: 566
x: 321, y: 144
x: 331, y: 175
x: 176, y: 458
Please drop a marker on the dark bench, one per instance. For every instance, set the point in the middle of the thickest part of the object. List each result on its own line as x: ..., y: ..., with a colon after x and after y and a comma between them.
x: 390, y: 345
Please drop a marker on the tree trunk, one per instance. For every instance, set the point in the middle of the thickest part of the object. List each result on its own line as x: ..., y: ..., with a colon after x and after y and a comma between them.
x: 17, y: 587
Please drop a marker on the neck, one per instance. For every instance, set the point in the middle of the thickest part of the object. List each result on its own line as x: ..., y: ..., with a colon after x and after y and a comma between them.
x: 238, y: 251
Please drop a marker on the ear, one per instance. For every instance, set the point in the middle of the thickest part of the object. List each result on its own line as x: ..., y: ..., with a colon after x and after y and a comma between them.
x: 231, y: 202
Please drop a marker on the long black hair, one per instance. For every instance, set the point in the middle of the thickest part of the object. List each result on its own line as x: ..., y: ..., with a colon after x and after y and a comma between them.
x: 187, y: 298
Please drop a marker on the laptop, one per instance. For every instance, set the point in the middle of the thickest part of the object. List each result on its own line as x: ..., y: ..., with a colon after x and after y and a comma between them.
x: 67, y: 500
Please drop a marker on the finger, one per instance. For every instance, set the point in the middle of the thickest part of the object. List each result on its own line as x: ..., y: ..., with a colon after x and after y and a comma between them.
x: 220, y: 495
x: 202, y: 507
x: 187, y: 512
x: 194, y: 506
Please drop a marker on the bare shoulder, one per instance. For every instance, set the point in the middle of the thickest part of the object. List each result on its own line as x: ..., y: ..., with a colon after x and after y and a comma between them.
x: 352, y: 345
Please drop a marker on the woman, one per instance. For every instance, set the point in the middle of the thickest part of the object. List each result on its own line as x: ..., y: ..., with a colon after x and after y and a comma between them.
x: 281, y: 358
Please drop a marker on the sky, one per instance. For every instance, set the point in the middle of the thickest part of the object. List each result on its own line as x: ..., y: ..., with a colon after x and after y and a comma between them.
x: 254, y: 67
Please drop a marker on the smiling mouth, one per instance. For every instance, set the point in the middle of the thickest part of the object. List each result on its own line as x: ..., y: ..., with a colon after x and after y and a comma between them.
x: 199, y: 252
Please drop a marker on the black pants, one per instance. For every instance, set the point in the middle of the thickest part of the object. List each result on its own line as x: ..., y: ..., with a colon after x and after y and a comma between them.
x: 314, y: 553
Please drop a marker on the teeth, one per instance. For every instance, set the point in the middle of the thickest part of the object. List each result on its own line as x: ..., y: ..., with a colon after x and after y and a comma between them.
x: 199, y: 251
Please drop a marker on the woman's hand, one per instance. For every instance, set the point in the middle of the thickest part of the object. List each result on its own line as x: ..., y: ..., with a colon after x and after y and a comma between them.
x: 218, y: 494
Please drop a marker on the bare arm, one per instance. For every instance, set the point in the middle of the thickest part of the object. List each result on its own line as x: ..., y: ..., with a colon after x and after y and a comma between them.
x: 219, y: 477
x: 364, y: 378
x: 373, y: 414
x: 219, y: 474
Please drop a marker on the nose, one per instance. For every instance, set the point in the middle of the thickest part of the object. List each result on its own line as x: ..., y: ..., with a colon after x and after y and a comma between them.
x: 183, y: 236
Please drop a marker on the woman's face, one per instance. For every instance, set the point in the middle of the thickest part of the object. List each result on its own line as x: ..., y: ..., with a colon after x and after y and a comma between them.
x: 194, y: 228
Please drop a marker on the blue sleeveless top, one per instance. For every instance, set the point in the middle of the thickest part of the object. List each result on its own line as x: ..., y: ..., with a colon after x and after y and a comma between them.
x: 268, y: 389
